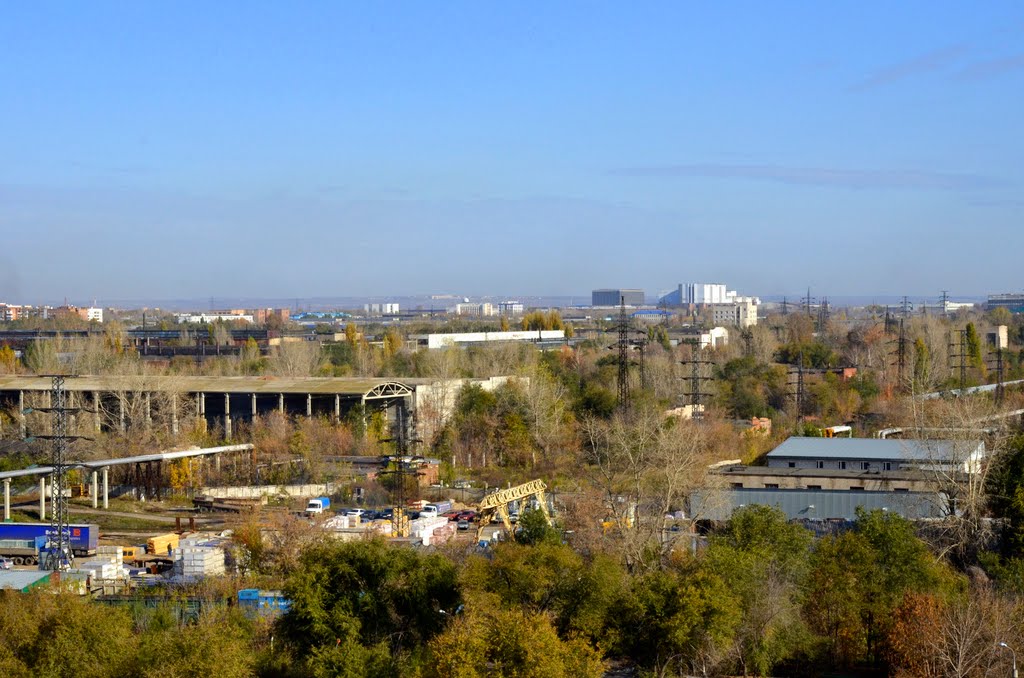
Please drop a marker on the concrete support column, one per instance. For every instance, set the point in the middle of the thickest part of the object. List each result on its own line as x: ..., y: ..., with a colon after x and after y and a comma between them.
x: 42, y: 497
x: 254, y: 405
x: 149, y: 409
x: 174, y: 414
x: 106, y: 487
x: 95, y: 489
x: 227, y: 416
x: 216, y: 462
x: 96, y: 422
x: 309, y: 404
x: 337, y: 408
x: 280, y: 403
x: 22, y: 429
x: 7, y: 499
x: 120, y: 411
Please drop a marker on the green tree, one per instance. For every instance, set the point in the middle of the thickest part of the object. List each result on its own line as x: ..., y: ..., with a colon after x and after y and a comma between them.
x: 370, y: 593
x: 973, y: 345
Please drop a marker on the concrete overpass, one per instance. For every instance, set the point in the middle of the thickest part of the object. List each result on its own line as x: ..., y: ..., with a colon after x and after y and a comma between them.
x: 118, y: 402
x: 146, y: 461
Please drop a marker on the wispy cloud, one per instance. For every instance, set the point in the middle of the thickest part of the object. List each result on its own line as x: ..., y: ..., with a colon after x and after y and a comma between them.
x: 992, y: 68
x: 819, y: 176
x: 925, y: 63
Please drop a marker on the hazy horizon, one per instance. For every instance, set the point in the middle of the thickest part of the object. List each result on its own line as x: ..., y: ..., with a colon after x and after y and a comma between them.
x: 270, y: 151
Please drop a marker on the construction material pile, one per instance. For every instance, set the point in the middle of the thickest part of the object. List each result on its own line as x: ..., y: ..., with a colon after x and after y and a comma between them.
x: 197, y: 557
x: 106, y: 567
x: 159, y: 544
x: 424, y: 528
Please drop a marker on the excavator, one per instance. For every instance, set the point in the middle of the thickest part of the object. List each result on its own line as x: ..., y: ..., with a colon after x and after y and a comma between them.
x: 497, y: 503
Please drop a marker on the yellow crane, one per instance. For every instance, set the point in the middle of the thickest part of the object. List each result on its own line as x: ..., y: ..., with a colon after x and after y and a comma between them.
x: 497, y: 503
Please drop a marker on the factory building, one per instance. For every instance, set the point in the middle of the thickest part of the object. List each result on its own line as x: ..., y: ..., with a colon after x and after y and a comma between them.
x: 610, y: 297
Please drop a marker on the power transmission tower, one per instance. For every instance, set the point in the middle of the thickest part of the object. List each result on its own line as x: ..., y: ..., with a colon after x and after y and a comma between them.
x: 823, y: 315
x: 696, y: 379
x: 906, y: 306
x: 958, y: 356
x: 807, y: 302
x: 402, y: 440
x: 58, y: 554
x: 798, y: 386
x: 623, y: 346
x: 785, y: 306
x: 901, y: 356
x: 945, y: 302
x: 1000, y: 373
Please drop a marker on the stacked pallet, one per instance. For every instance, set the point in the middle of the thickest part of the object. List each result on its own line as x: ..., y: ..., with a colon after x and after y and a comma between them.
x: 196, y: 558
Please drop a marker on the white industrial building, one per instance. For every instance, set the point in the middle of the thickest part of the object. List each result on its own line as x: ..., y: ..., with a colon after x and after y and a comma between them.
x: 879, y: 454
x: 510, y: 307
x: 205, y: 318
x: 466, y: 308
x: 741, y: 312
x: 463, y: 338
x: 388, y: 308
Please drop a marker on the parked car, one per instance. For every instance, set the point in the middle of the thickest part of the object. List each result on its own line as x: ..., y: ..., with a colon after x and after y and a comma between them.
x: 6, y: 563
x: 513, y: 517
x: 352, y: 513
x: 463, y: 525
x: 468, y: 516
x: 452, y: 516
x: 462, y: 485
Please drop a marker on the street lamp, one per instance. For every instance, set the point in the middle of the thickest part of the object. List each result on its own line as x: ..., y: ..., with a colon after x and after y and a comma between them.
x: 1014, y: 655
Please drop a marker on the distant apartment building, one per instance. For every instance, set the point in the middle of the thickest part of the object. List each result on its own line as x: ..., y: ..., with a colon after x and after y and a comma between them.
x: 609, y: 297
x: 741, y: 312
x: 11, y: 312
x: 92, y: 313
x: 510, y: 308
x: 467, y: 308
x: 387, y: 308
x: 263, y: 315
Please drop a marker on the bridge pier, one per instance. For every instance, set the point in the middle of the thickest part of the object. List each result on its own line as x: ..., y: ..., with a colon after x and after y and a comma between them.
x: 95, y: 490
x: 22, y: 429
x: 7, y: 499
x: 42, y: 498
x: 227, y: 416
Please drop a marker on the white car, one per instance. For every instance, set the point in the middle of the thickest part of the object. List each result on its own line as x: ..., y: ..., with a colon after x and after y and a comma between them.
x: 6, y: 564
x: 355, y: 513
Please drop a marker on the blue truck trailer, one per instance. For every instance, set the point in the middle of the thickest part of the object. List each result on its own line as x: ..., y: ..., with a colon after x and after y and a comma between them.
x: 21, y: 541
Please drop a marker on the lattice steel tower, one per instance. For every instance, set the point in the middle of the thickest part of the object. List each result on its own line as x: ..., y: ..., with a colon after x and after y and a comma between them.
x: 59, y: 555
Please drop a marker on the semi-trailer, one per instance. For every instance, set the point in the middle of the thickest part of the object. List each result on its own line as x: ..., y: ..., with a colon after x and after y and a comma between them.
x: 21, y: 542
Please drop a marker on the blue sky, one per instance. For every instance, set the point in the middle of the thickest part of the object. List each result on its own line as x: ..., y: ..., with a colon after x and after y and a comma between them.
x: 344, y: 149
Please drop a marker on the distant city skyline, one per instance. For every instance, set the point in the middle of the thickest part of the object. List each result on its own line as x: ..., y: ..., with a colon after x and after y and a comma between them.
x: 333, y: 149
